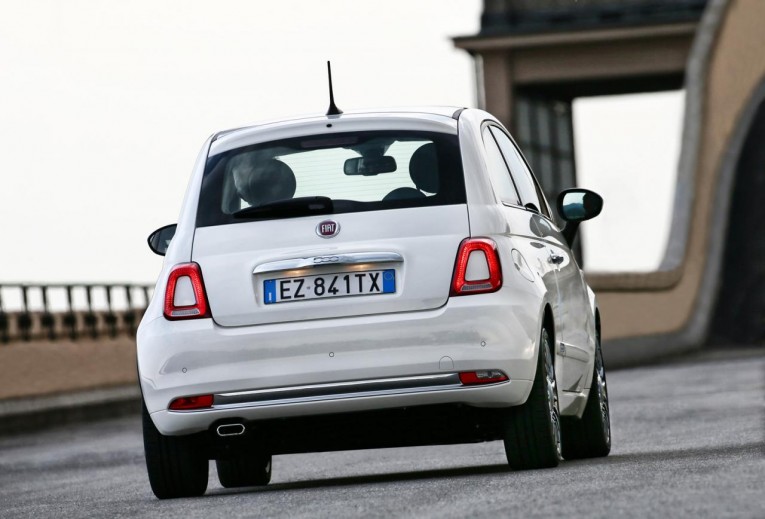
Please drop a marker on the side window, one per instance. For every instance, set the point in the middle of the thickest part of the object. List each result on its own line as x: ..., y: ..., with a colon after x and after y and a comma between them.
x: 498, y: 172
x: 545, y: 206
x: 524, y: 181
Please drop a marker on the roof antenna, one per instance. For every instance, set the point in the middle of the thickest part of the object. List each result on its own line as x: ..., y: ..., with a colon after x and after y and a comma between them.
x: 333, y: 109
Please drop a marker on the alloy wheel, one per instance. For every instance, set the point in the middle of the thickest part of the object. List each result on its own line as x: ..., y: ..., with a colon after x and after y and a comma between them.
x: 552, y: 395
x: 603, y: 395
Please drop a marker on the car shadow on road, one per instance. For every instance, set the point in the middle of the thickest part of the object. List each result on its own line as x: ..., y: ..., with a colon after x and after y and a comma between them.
x: 756, y: 449
x: 464, y: 472
x: 370, y: 479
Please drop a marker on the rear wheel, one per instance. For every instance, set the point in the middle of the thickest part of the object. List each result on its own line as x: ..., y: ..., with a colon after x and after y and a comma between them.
x: 246, y: 471
x: 590, y: 436
x: 532, y: 431
x: 176, y: 465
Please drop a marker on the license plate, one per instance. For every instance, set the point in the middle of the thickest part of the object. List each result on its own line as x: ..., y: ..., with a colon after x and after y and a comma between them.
x: 369, y: 282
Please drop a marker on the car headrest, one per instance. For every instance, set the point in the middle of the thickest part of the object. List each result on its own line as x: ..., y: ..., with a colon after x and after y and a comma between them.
x: 267, y: 182
x: 423, y: 168
x: 403, y: 193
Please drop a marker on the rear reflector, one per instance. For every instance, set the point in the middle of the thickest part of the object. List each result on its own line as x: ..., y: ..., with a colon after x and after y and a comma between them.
x: 188, y: 403
x: 489, y: 376
x: 185, y: 296
x: 477, y: 269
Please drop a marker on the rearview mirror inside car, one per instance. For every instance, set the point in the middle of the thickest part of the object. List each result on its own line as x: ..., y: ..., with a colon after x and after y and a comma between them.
x: 369, y: 166
x: 159, y: 240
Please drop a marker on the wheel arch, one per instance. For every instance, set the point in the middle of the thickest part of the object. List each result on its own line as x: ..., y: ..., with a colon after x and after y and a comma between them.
x: 548, y: 323
x: 597, y: 323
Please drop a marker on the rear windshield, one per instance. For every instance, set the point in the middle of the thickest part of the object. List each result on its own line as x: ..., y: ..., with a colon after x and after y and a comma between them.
x: 349, y: 172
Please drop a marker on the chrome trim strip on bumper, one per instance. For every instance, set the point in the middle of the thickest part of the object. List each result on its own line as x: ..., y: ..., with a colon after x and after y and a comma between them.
x: 353, y: 258
x: 331, y: 391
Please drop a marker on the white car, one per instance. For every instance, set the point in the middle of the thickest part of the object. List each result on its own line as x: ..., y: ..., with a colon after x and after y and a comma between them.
x: 364, y: 280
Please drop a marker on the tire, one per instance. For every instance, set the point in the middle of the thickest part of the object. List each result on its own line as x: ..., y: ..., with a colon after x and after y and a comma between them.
x: 590, y: 436
x: 176, y: 465
x: 532, y: 430
x: 247, y: 471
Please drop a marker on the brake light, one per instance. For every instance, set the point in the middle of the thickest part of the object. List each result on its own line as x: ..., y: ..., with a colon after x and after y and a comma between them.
x: 188, y: 403
x: 490, y: 376
x: 185, y: 296
x: 477, y: 269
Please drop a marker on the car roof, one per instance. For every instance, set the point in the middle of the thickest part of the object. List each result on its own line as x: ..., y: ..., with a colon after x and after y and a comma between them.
x: 413, y: 111
x: 235, y: 137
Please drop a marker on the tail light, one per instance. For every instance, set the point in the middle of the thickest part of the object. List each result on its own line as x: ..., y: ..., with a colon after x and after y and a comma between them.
x: 188, y: 403
x: 477, y: 269
x: 185, y: 296
x: 489, y: 376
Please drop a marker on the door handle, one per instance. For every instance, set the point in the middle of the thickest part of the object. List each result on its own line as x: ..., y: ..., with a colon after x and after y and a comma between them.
x: 555, y: 259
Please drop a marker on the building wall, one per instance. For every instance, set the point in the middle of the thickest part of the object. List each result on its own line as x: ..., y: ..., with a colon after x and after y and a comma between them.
x: 43, y: 368
x: 734, y: 73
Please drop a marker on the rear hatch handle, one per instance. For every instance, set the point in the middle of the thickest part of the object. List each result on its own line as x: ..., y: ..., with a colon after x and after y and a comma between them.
x: 351, y: 258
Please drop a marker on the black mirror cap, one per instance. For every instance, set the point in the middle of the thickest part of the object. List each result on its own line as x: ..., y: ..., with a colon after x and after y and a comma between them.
x: 578, y: 205
x: 160, y: 239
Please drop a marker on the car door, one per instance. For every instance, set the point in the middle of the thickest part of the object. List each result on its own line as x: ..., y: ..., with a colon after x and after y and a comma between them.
x: 520, y: 220
x: 570, y: 313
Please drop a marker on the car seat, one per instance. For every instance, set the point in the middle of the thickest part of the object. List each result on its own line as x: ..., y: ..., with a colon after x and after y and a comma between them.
x: 423, y: 169
x: 266, y: 182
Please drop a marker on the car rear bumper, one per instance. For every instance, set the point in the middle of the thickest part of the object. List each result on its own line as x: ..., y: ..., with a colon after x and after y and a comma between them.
x: 338, y: 365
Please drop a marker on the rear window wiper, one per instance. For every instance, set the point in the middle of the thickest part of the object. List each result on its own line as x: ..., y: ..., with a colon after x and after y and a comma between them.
x: 289, y: 207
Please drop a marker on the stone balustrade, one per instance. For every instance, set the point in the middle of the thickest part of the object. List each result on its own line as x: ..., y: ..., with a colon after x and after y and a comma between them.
x: 31, y: 312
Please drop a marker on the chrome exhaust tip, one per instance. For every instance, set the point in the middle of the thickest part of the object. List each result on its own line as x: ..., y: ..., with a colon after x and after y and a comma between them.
x: 230, y: 429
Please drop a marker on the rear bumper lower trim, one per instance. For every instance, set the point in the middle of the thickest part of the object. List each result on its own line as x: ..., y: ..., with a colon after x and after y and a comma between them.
x: 331, y: 391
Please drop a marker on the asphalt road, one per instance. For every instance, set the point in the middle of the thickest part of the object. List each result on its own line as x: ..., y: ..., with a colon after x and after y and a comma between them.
x: 688, y: 442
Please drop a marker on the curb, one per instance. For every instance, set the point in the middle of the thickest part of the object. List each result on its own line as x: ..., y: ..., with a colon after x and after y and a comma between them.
x: 29, y: 414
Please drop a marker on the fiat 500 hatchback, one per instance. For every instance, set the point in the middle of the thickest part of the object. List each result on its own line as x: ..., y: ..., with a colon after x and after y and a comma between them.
x: 367, y: 280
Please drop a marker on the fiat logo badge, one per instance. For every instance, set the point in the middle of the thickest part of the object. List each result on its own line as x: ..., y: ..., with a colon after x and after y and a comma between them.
x: 328, y: 228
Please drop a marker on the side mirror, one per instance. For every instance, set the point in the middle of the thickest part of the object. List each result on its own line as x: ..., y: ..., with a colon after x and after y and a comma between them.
x: 575, y: 206
x: 578, y: 205
x: 159, y: 240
